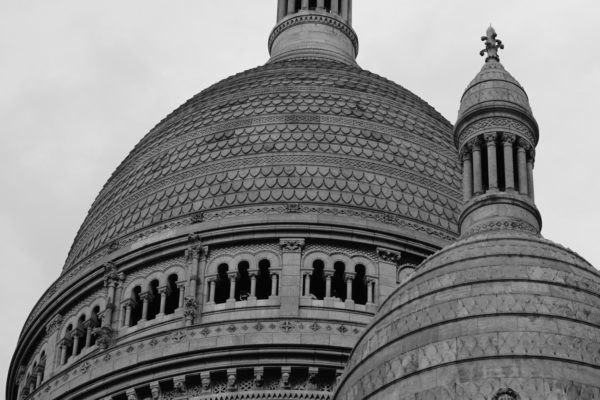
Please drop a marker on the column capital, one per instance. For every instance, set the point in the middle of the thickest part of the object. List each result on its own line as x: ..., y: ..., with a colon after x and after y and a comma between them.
x: 523, y: 144
x: 146, y: 296
x: 231, y: 379
x: 163, y: 289
x: 349, y: 275
x: 259, y: 373
x: 292, y: 245
x: 128, y: 302
x: 475, y: 143
x: 131, y: 394
x: 390, y: 256
x: 232, y: 274
x: 112, y: 277
x: 155, y: 390
x: 465, y: 153
x: 205, y: 381
x: 509, y: 138
x: 490, y: 138
x: 328, y: 273
x: 253, y: 273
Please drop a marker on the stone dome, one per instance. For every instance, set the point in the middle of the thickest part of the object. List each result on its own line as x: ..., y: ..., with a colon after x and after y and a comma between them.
x: 296, y: 136
x: 495, y: 87
x: 495, y: 311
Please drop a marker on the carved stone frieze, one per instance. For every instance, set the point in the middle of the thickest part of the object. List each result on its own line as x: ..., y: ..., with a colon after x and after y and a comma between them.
x: 293, y: 245
x: 493, y: 125
x: 54, y: 325
x: 389, y: 256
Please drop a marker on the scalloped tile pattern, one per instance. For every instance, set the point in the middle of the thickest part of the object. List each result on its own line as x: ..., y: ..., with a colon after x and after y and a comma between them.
x: 300, y: 131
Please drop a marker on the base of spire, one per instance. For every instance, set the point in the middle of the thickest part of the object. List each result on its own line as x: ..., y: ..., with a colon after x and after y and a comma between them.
x: 498, y: 211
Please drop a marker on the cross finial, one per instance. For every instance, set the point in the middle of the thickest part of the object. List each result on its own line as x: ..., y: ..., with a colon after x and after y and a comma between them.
x: 492, y: 45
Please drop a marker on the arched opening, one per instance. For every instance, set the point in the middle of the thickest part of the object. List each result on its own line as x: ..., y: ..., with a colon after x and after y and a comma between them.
x: 68, y: 343
x: 222, y: 284
x: 263, y: 281
x: 136, y: 310
x: 297, y: 5
x: 359, y: 285
x: 153, y: 300
x: 172, y: 301
x: 81, y: 333
x: 317, y: 280
x: 328, y: 5
x: 42, y: 365
x: 338, y: 284
x: 242, y: 286
x: 94, y: 323
x: 312, y: 4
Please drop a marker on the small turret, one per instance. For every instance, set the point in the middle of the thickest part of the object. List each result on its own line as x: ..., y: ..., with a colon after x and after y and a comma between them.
x: 496, y: 135
x: 314, y: 29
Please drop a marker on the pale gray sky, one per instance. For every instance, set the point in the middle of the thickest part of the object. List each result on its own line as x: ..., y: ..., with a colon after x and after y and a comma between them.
x: 82, y: 81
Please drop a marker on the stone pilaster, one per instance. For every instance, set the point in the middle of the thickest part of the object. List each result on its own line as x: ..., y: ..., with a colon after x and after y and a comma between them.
x: 52, y: 331
x: 389, y: 260
x: 289, y: 287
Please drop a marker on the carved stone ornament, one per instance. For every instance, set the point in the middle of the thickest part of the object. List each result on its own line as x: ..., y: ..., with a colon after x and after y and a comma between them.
x: 292, y: 245
x: 190, y: 306
x: 131, y: 394
x: 205, y: 379
x: 492, y: 45
x: 509, y: 138
x: 111, y: 275
x: 231, y: 380
x: 54, y: 324
x: 312, y: 376
x: 285, y: 377
x: 390, y: 256
x: 104, y: 336
x: 259, y: 373
x: 179, y: 384
x: 155, y: 390
x: 506, y: 394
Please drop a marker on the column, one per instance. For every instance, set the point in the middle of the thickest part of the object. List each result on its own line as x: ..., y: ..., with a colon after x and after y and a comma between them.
x: 328, y: 277
x: 38, y: 377
x: 232, y: 282
x: 305, y: 4
x: 211, y: 291
x: 274, y: 283
x: 281, y: 9
x: 467, y: 174
x: 335, y: 6
x: 477, y: 173
x: 345, y: 9
x: 118, y: 295
x: 490, y: 140
x: 307, y: 285
x: 530, y: 160
x: 291, y: 7
x: 509, y: 173
x: 320, y: 5
x: 163, y: 299
x: 88, y: 333
x: 145, y: 302
x: 370, y: 291
x: 522, y: 166
x: 194, y: 256
x: 181, y: 287
x: 76, y: 338
x: 349, y: 276
x: 127, y: 320
x: 253, y: 275
x: 350, y: 12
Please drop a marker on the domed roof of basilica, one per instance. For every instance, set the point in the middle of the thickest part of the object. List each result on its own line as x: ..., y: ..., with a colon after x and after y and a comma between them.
x: 325, y: 135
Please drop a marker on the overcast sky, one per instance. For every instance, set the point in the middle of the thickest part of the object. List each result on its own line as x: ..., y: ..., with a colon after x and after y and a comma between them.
x: 81, y: 82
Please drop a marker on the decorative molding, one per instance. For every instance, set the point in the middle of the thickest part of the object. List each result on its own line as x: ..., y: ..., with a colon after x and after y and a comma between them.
x: 292, y: 245
x: 389, y: 256
x: 495, y: 124
x: 104, y: 336
x: 502, y: 225
x: 314, y: 19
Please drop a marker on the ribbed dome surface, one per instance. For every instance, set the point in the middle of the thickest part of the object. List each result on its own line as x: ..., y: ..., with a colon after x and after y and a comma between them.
x: 494, y: 87
x: 330, y: 137
x: 497, y: 310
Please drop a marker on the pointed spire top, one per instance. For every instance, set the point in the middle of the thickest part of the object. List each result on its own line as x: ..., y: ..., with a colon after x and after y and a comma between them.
x: 492, y: 45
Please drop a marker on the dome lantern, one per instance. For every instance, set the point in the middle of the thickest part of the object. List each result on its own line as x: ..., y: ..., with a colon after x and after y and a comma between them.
x: 314, y: 29
x: 496, y: 135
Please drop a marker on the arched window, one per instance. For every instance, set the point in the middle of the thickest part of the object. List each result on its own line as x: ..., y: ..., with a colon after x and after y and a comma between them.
x: 359, y: 285
x: 94, y: 323
x: 338, y: 284
x: 68, y: 350
x: 297, y: 6
x: 222, y: 284
x: 242, y: 287
x: 312, y: 4
x: 136, y: 311
x: 81, y: 333
x: 263, y: 282
x: 328, y: 5
x: 317, y: 280
x: 153, y: 300
x: 172, y: 294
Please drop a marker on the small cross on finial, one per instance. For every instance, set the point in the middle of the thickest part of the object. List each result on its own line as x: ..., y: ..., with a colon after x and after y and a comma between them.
x: 492, y: 45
